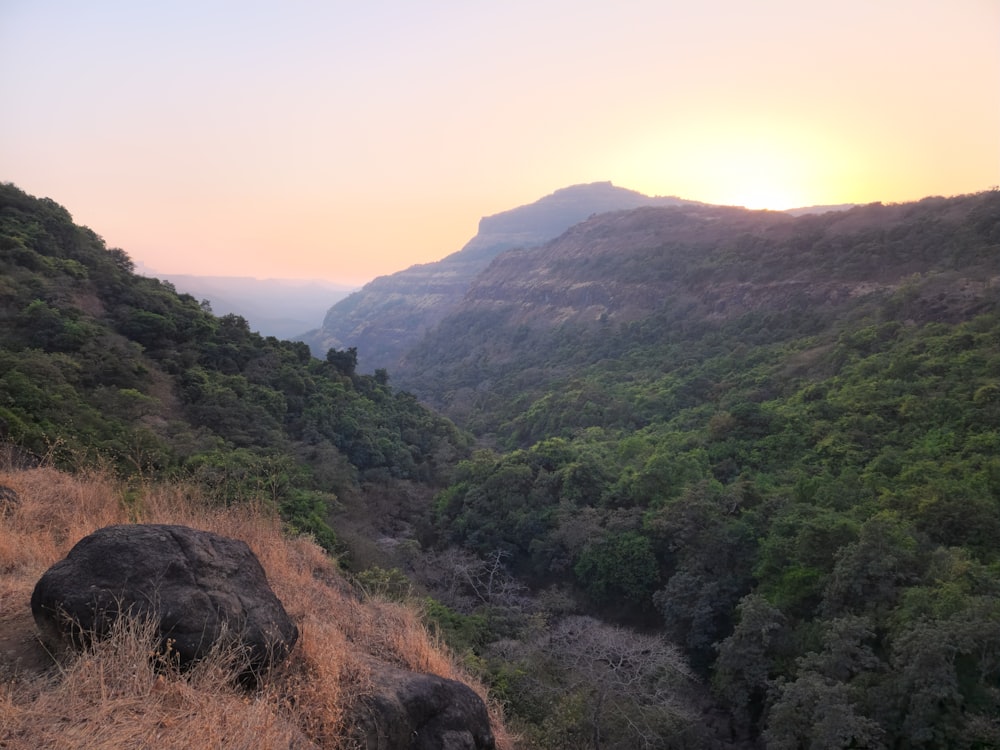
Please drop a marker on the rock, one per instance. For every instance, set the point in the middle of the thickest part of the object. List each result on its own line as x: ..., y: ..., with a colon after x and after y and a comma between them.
x: 417, y: 711
x: 197, y: 587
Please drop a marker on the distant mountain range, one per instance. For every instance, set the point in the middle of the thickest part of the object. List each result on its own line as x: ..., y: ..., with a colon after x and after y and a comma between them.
x: 819, y: 209
x: 283, y: 308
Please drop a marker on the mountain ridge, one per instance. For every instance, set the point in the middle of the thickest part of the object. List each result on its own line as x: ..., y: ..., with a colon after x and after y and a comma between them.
x: 390, y: 314
x: 700, y: 266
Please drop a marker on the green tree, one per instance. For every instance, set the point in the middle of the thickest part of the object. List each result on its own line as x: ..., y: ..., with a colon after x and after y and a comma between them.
x: 870, y: 574
x: 345, y: 362
x: 816, y: 712
x: 619, y: 569
x: 752, y: 658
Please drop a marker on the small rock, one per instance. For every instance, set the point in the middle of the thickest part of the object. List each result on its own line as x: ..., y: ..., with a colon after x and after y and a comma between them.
x: 418, y: 711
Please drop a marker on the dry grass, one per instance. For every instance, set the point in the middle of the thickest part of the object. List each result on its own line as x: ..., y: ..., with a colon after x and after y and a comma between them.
x: 113, y: 696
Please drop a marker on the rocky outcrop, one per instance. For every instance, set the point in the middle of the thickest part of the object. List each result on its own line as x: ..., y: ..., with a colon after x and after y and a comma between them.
x: 198, y: 587
x: 417, y: 711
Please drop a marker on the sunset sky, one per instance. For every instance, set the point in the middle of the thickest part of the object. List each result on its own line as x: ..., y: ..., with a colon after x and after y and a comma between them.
x: 344, y: 140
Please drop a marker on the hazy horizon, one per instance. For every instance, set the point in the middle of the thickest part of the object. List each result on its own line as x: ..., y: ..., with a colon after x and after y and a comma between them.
x: 344, y: 142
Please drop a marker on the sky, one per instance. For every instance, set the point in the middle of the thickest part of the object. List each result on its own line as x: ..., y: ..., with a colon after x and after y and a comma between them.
x: 347, y: 140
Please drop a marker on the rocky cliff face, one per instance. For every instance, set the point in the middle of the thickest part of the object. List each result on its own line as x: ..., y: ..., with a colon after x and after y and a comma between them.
x: 626, y: 265
x: 390, y: 315
x: 615, y: 267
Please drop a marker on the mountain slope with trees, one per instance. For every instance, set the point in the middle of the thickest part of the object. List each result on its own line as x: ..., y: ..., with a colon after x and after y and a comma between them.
x: 645, y: 279
x: 773, y: 439
x: 101, y: 365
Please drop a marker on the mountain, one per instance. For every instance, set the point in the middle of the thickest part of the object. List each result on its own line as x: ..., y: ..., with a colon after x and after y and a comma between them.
x: 390, y: 314
x: 283, y: 308
x: 690, y: 267
x: 772, y: 440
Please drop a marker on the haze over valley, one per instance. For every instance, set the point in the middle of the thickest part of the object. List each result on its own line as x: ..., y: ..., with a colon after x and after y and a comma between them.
x: 285, y: 308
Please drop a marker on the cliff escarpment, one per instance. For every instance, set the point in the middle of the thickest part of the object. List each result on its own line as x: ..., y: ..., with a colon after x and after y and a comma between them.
x: 390, y: 314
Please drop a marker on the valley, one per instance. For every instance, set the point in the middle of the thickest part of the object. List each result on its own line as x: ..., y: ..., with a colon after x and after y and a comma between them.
x: 668, y: 476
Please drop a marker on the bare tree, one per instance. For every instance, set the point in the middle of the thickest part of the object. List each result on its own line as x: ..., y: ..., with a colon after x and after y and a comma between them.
x: 467, y: 582
x: 639, y: 682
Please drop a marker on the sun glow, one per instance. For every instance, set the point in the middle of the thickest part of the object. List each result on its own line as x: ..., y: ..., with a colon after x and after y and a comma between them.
x: 757, y: 167
x: 763, y: 190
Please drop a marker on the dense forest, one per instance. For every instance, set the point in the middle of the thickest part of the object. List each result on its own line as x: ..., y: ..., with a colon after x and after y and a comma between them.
x: 736, y: 484
x: 785, y: 458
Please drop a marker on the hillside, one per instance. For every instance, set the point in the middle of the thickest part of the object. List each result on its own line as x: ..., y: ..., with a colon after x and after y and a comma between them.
x: 771, y: 439
x: 113, y: 695
x: 737, y: 482
x: 657, y: 276
x: 101, y: 366
x: 390, y: 314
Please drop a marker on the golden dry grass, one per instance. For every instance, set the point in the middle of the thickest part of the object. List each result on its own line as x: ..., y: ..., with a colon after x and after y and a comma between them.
x: 113, y: 696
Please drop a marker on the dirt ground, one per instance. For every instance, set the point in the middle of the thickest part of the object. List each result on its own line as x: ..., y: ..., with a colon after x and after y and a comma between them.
x: 21, y: 651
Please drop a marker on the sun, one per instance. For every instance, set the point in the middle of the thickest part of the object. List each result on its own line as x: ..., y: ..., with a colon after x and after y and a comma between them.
x: 753, y: 173
x: 757, y: 166
x: 764, y: 194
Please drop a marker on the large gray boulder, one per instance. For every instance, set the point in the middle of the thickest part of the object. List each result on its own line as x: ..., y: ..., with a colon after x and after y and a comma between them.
x: 417, y: 711
x: 196, y: 586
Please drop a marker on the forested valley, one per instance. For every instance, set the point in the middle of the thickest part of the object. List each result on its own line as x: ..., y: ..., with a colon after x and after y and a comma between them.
x: 720, y: 478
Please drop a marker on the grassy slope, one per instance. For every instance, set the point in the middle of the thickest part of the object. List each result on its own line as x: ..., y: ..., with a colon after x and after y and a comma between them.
x: 112, y: 696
